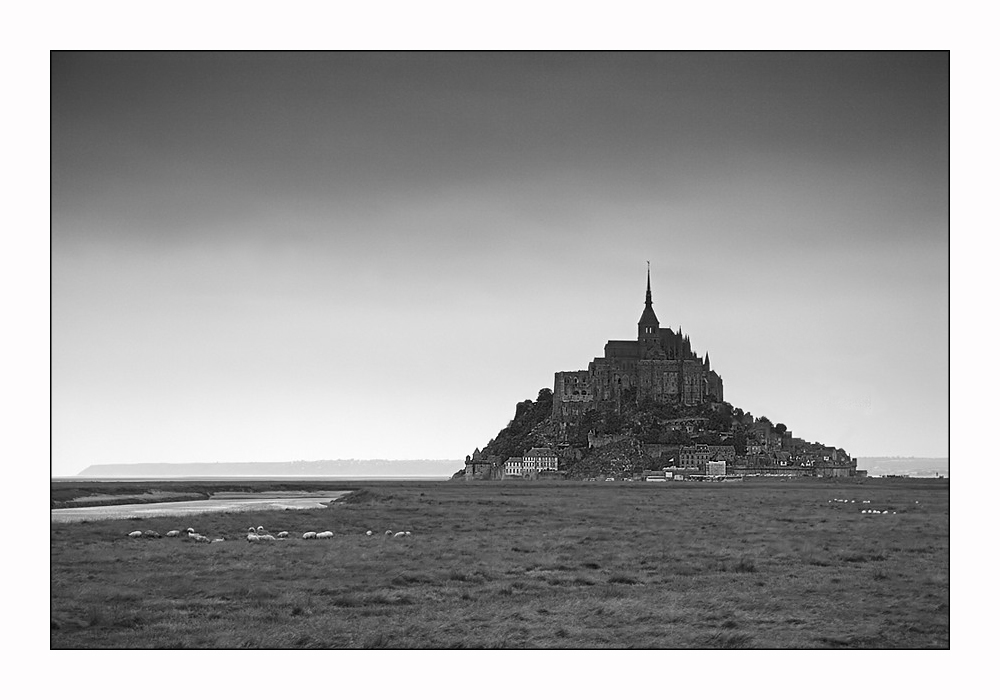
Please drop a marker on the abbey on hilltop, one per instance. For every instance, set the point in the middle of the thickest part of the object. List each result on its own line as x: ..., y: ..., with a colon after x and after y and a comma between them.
x: 659, y: 365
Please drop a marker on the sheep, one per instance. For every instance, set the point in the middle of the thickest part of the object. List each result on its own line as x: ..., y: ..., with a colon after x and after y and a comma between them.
x: 266, y: 538
x: 325, y: 535
x: 150, y: 533
x: 252, y: 537
x: 369, y: 533
x: 135, y: 533
x: 309, y: 535
x: 173, y: 533
x: 219, y: 539
x: 252, y: 529
x: 401, y: 534
x: 388, y: 532
x: 283, y: 534
x: 261, y: 530
x: 199, y: 538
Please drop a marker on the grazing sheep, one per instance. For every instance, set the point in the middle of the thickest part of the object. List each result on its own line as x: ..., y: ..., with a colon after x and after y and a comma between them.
x: 252, y: 537
x: 173, y: 533
x: 325, y: 535
x: 135, y: 533
x: 309, y: 535
x: 400, y: 534
x: 199, y: 538
x: 150, y: 533
x: 369, y: 533
x: 283, y: 534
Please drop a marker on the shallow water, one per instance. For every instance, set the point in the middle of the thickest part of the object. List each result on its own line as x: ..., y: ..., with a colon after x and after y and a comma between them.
x: 214, y: 505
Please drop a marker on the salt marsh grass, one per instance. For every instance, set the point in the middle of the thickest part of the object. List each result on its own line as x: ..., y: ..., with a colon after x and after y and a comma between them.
x: 525, y: 565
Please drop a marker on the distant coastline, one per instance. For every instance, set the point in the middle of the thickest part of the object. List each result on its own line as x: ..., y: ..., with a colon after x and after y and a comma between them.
x: 354, y: 469
x: 921, y: 467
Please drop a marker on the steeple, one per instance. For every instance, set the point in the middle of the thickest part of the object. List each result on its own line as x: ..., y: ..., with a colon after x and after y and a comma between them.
x: 649, y: 291
x: 649, y: 325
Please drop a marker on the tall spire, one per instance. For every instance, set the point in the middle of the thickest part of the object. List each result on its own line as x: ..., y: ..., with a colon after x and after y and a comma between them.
x: 649, y: 326
x: 649, y: 292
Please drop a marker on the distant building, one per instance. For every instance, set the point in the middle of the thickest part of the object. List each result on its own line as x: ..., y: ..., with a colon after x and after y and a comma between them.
x: 541, y: 459
x: 697, y: 456
x: 715, y: 468
x: 481, y: 468
x: 658, y: 365
x: 513, y: 467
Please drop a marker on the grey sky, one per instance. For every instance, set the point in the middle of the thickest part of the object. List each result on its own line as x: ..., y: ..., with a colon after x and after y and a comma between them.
x: 306, y: 256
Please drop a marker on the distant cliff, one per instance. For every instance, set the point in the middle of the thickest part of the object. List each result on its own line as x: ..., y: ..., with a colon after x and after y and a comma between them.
x: 374, y: 468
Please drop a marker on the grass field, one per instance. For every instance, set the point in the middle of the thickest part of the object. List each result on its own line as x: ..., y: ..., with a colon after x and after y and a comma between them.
x: 527, y: 565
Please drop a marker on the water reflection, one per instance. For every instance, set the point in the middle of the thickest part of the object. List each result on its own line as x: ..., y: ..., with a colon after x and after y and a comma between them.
x: 216, y: 504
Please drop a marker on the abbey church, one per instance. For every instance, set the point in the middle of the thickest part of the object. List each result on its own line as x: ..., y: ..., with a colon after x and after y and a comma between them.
x: 658, y: 365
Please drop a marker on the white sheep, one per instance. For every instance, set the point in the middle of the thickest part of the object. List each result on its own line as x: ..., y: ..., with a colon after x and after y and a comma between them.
x: 173, y: 533
x: 325, y: 535
x: 283, y: 534
x: 252, y: 537
x: 309, y: 535
x: 388, y: 532
x: 199, y: 538
x: 150, y: 533
x: 219, y: 539
x: 266, y: 537
x: 135, y: 533
x: 401, y: 534
x: 369, y: 533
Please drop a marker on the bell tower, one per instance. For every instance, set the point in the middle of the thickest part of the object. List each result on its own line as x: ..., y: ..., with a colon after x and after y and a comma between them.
x: 649, y: 326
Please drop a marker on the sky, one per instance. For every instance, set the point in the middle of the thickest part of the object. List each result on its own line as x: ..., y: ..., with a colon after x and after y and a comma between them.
x: 270, y: 257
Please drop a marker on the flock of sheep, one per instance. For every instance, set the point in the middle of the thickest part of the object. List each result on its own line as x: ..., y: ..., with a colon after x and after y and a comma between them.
x: 866, y: 511
x: 191, y: 535
x: 254, y: 534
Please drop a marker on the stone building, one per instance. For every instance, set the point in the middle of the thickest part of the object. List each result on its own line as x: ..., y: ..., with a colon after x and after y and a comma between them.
x: 479, y: 467
x: 697, y: 456
x: 658, y: 365
x: 541, y: 459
